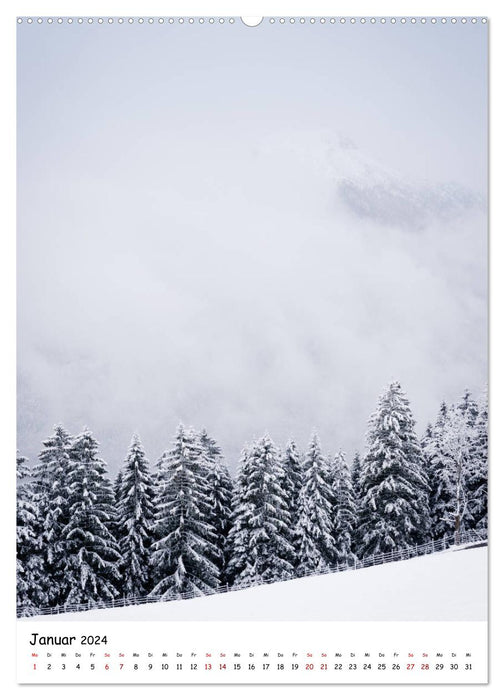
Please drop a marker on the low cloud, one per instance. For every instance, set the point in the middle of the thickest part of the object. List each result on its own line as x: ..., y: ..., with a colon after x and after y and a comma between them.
x: 407, y: 206
x: 235, y: 293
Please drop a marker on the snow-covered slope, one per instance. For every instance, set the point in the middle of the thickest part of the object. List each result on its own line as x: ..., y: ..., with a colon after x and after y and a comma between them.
x: 445, y: 586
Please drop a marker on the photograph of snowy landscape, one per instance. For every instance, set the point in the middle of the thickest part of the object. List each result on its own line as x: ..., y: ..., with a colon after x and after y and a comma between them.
x: 252, y: 321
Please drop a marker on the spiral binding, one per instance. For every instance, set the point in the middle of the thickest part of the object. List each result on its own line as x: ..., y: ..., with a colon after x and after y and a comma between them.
x: 233, y: 20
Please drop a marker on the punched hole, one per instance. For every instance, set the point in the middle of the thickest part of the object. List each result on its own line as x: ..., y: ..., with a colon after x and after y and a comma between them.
x: 251, y: 21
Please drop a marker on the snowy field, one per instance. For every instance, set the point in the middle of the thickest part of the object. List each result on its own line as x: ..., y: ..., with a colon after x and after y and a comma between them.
x: 445, y: 586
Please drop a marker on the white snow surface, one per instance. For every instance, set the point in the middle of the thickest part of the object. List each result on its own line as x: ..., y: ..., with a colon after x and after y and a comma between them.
x: 444, y: 586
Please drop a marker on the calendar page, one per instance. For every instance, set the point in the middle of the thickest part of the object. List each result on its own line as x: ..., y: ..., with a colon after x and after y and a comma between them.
x: 252, y: 349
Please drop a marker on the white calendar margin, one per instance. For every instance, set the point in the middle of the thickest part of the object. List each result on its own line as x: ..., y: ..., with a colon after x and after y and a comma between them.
x: 8, y: 11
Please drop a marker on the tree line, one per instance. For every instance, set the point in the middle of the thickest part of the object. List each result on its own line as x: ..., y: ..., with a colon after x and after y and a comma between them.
x: 187, y: 527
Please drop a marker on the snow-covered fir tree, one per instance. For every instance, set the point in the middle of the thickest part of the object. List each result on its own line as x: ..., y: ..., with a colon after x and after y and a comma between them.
x: 118, y: 484
x: 259, y: 536
x: 116, y: 490
x: 427, y: 436
x: 477, y: 479
x: 452, y: 454
x: 185, y: 548
x: 428, y: 469
x: 355, y: 474
x: 394, y: 503
x: 135, y: 520
x: 440, y: 477
x: 468, y: 407
x: 91, y: 552
x: 219, y: 489
x: 157, y: 471
x: 476, y: 474
x: 31, y: 588
x: 315, y: 543
x: 344, y: 513
x: 292, y: 467
x: 237, y: 543
x: 158, y: 477
x: 474, y: 478
x: 53, y: 492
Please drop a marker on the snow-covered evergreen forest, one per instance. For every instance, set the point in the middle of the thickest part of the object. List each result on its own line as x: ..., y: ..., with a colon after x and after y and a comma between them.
x: 187, y: 527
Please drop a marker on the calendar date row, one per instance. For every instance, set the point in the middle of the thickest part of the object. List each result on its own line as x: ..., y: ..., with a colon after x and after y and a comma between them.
x: 110, y: 666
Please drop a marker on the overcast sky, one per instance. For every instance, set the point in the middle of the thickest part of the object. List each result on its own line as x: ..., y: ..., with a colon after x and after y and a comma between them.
x: 247, y: 229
